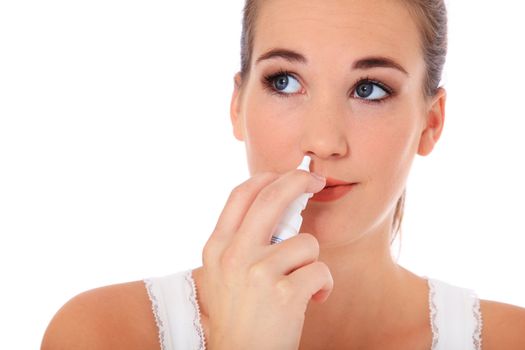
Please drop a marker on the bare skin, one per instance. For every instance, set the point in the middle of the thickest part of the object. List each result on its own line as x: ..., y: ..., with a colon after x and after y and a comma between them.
x: 120, y: 317
x: 352, y: 139
x: 374, y: 303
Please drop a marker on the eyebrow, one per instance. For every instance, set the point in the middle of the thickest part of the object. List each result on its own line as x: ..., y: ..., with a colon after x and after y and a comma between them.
x: 363, y: 63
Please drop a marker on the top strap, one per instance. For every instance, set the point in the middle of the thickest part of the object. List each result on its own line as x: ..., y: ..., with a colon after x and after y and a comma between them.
x: 455, y: 317
x: 176, y: 310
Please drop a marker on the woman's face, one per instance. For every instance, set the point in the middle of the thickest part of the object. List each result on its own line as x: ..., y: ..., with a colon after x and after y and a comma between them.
x: 350, y: 96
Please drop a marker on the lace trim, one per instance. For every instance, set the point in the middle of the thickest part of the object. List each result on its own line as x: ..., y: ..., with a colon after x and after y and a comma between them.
x: 197, y: 317
x: 476, y: 337
x: 433, y: 313
x: 155, y: 309
x: 476, y: 313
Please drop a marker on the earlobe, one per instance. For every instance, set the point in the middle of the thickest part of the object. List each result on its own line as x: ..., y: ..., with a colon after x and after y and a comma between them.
x: 235, y: 115
x: 435, y: 119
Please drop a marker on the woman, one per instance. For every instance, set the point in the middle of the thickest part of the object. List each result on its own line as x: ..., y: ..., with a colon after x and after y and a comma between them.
x: 354, y: 85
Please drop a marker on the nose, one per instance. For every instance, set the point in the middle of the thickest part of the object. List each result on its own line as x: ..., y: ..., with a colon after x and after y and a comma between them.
x: 325, y: 129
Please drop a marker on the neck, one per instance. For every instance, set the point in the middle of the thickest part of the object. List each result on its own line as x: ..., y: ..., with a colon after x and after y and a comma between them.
x: 372, y: 294
x: 365, y: 277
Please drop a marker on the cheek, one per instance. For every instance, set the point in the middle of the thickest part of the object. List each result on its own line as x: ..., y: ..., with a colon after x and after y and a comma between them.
x: 391, y: 151
x: 269, y: 132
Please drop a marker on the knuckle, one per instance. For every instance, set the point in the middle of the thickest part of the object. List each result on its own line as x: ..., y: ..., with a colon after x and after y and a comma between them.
x: 259, y: 274
x: 285, y: 291
x: 322, y: 268
x: 250, y: 184
x: 230, y: 259
x: 209, y: 252
x: 311, y: 241
x: 237, y: 191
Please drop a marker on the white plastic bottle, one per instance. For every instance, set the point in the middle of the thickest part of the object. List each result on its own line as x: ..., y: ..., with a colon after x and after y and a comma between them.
x: 291, y: 220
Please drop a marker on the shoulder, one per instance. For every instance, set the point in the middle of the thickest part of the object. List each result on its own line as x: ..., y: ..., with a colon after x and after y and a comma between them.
x: 503, y: 325
x: 112, y: 317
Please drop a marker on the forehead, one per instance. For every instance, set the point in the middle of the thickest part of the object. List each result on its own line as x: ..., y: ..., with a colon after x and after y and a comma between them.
x: 333, y: 30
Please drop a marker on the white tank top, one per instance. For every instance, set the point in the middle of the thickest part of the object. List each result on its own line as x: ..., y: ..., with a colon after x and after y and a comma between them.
x: 455, y: 315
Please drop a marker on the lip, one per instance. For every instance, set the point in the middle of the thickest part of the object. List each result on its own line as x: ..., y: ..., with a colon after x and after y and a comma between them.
x: 330, y: 181
x: 332, y: 193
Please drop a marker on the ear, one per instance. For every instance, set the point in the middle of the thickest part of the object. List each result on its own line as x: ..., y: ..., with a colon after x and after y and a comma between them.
x: 235, y: 114
x: 435, y: 119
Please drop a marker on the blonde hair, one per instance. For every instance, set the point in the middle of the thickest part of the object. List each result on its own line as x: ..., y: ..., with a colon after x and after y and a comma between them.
x: 431, y: 19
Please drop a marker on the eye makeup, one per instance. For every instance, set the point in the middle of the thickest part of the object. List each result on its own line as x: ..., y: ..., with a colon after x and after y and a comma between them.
x: 269, y: 80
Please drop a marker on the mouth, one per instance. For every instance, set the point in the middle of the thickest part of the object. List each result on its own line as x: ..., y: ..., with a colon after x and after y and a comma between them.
x: 331, y: 182
x: 333, y: 190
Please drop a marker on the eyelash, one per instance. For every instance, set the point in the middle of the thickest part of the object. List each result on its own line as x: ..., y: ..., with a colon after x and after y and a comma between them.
x: 268, y: 81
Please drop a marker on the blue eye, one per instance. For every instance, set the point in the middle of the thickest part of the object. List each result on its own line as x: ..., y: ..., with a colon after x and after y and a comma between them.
x: 285, y: 81
x: 368, y: 90
x: 282, y: 84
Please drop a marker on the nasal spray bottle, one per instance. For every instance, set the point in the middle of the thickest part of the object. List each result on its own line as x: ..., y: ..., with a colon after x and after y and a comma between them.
x: 291, y: 220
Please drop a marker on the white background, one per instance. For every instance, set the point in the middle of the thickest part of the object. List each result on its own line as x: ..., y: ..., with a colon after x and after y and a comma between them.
x: 117, y: 155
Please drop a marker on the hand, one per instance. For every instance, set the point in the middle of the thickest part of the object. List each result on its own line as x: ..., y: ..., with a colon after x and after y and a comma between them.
x: 257, y: 293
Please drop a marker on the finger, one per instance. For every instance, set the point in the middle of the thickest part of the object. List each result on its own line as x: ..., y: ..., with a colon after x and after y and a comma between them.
x: 292, y: 254
x: 240, y: 199
x: 238, y: 203
x: 314, y: 280
x: 270, y: 204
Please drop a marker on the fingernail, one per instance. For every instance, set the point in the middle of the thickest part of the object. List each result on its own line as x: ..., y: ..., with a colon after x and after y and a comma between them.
x: 319, y: 177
